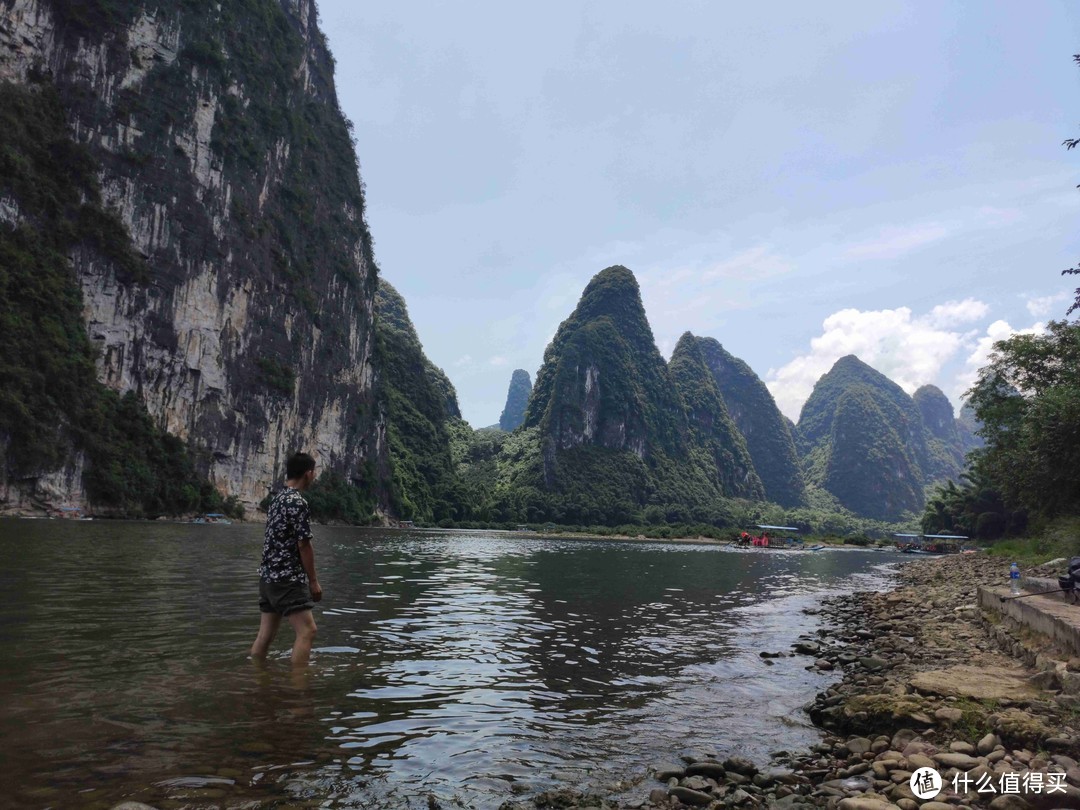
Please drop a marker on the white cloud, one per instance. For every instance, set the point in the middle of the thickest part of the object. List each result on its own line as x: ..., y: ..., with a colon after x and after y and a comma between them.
x: 498, y: 360
x: 954, y: 313
x: 464, y: 360
x: 983, y: 347
x: 891, y: 243
x: 910, y: 350
x: 1041, y: 306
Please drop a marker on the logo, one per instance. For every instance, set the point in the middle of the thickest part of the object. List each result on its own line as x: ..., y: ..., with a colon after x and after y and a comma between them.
x: 925, y: 783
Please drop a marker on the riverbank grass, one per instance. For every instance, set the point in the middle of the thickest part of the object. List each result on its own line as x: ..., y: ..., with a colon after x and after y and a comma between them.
x: 1057, y: 538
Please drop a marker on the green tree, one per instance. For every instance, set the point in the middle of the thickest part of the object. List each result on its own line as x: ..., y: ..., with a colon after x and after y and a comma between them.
x: 1028, y: 400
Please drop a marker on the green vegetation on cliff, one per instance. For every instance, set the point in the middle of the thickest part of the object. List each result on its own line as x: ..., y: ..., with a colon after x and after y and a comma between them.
x: 517, y: 400
x: 711, y: 428
x: 945, y: 445
x: 419, y: 401
x: 767, y: 432
x: 607, y: 433
x: 51, y: 403
x: 863, y: 441
x: 866, y: 466
x: 603, y: 380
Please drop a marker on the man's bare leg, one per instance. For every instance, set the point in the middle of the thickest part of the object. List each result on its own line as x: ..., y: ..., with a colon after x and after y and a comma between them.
x: 268, y: 627
x: 304, y: 624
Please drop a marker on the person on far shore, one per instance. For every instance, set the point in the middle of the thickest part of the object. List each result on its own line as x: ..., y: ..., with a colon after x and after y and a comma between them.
x: 288, y: 585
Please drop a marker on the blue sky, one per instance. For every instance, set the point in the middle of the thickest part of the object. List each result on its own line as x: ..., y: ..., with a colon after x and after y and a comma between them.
x: 800, y: 181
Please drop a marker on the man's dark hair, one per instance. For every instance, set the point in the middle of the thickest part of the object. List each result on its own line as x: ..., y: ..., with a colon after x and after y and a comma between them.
x: 297, y: 465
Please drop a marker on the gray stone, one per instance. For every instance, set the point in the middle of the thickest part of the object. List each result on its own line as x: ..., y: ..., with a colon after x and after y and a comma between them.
x: 873, y: 663
x: 658, y: 796
x: 866, y: 802
x: 1009, y: 801
x: 133, y: 806
x: 740, y: 765
x: 791, y: 802
x: 960, y: 747
x: 920, y: 747
x: 859, y: 745
x: 666, y: 770
x: 949, y: 715
x: 902, y: 738
x: 689, y: 796
x: 961, y: 761
x: 706, y: 768
x: 920, y: 761
x: 823, y: 664
x: 696, y: 783
x: 987, y: 744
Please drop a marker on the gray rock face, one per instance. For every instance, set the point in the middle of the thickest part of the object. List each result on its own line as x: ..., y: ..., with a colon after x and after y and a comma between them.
x: 253, y: 336
x: 517, y: 400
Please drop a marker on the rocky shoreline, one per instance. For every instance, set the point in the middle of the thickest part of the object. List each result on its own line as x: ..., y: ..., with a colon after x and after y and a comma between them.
x: 925, y: 683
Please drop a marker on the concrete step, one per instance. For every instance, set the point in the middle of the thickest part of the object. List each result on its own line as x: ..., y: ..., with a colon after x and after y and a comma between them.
x: 1049, y: 615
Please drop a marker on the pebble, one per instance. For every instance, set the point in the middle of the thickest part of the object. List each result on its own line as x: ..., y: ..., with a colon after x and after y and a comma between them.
x: 961, y: 761
x: 691, y: 796
x: 740, y: 765
x: 859, y: 745
x: 873, y: 802
x: 948, y: 715
x: 987, y: 744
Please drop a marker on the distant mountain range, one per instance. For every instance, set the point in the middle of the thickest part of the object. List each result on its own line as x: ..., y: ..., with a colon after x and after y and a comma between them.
x: 193, y: 295
x: 703, y: 428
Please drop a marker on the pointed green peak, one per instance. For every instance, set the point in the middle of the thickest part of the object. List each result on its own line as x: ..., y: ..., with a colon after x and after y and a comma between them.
x: 609, y: 292
x: 688, y: 346
x: 868, y: 470
x: 937, y: 412
x: 517, y: 398
x: 711, y: 427
x: 768, y: 433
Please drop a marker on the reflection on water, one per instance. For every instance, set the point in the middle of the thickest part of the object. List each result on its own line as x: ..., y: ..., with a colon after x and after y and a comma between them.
x: 460, y: 665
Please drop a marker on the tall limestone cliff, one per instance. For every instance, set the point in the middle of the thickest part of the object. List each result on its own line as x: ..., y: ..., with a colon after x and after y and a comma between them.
x: 605, y: 418
x: 944, y: 440
x: 866, y: 467
x: 833, y: 439
x: 517, y: 400
x: 421, y: 410
x: 603, y: 381
x: 711, y: 427
x: 766, y: 431
x: 220, y: 259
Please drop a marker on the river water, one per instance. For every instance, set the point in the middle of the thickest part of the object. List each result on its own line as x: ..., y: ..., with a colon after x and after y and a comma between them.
x: 469, y: 666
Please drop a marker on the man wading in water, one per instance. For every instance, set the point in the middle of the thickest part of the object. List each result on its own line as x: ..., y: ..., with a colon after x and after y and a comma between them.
x: 287, y: 583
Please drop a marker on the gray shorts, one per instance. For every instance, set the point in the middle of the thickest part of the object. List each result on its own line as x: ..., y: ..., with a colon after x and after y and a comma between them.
x: 284, y: 597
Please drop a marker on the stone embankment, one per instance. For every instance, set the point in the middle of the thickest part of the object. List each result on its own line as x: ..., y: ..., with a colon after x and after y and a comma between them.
x: 928, y: 681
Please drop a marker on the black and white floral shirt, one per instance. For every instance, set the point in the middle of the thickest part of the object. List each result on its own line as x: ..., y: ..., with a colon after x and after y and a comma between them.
x: 287, y: 522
